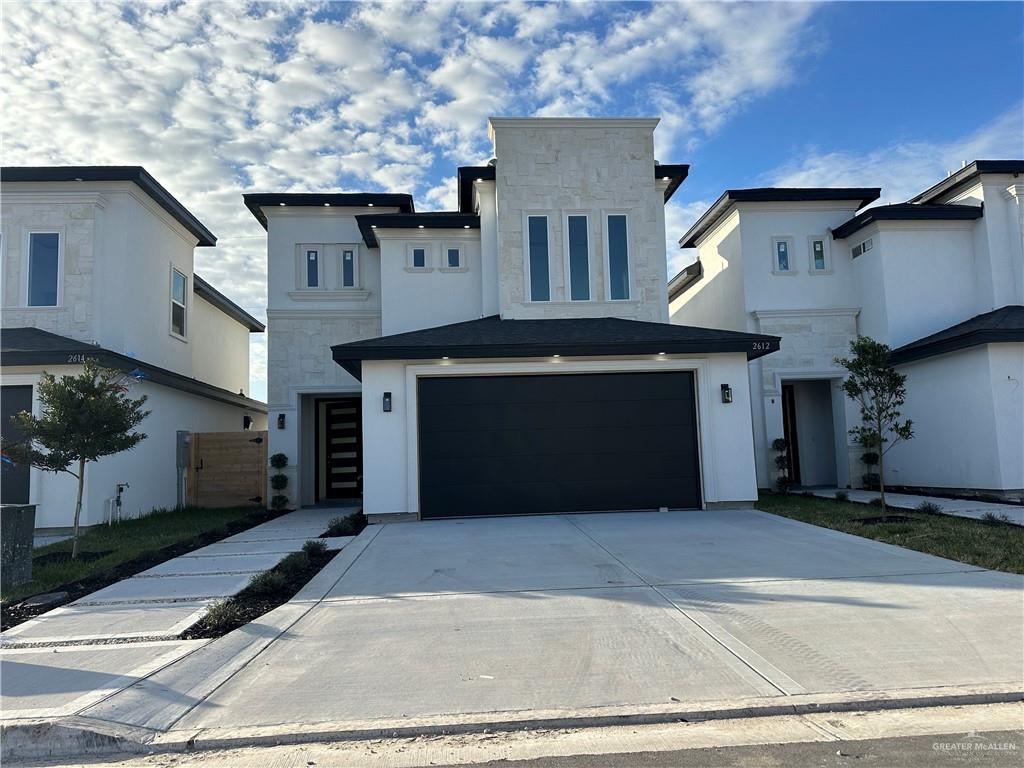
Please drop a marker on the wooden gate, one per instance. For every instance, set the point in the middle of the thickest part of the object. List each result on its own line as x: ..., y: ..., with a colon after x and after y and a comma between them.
x: 227, y: 469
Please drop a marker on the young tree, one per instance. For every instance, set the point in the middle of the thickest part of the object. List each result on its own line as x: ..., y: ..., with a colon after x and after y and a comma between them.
x: 881, y: 391
x: 84, y: 418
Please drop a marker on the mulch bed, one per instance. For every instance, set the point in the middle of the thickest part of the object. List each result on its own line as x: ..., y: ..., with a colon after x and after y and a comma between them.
x: 12, y: 615
x: 294, y: 572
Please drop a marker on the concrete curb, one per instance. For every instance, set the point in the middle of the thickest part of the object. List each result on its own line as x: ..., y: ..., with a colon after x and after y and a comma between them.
x: 88, y: 735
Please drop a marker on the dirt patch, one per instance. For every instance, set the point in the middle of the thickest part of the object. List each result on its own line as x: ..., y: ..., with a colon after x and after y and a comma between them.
x: 12, y: 615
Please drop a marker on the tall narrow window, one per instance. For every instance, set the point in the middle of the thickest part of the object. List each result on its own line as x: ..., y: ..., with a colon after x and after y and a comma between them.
x: 781, y: 256
x: 537, y: 239
x: 179, y: 296
x: 43, y: 267
x: 348, y: 269
x: 419, y: 257
x: 618, y: 257
x: 454, y: 258
x: 312, y: 269
x: 818, y: 263
x: 579, y: 258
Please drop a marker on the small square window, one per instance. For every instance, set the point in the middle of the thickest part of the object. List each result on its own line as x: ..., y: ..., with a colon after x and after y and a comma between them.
x: 454, y: 258
x: 419, y: 257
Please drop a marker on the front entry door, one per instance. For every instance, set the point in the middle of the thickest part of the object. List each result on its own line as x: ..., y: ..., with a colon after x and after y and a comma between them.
x: 339, y: 460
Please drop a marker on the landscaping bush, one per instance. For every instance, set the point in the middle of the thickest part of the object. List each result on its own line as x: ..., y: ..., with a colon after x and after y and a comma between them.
x: 870, y: 480
x: 996, y: 518
x: 875, y: 502
x: 350, y: 525
x: 278, y: 501
x: 267, y: 583
x: 842, y: 496
x: 279, y: 482
x: 870, y: 458
x: 279, y: 461
x: 929, y: 508
x: 314, y: 547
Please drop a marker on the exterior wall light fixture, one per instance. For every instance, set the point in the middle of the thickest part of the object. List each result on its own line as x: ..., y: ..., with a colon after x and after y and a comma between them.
x: 726, y: 393
x: 386, y: 402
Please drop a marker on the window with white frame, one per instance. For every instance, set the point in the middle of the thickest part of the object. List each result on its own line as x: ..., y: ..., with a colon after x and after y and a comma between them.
x: 312, y: 267
x: 538, y: 258
x: 418, y: 255
x: 453, y: 257
x: 782, y: 254
x: 578, y: 247
x: 43, y: 268
x: 618, y: 257
x: 348, y: 268
x: 862, y: 247
x: 179, y: 303
x: 818, y: 252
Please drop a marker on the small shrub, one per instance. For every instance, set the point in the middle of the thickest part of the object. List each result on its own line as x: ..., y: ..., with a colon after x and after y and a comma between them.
x: 279, y: 482
x: 278, y: 501
x: 267, y: 583
x: 782, y: 461
x: 870, y: 458
x: 293, y: 565
x: 782, y: 485
x: 842, y: 496
x: 350, y: 525
x: 314, y: 547
x: 876, y: 502
x: 780, y: 444
x: 995, y: 518
x: 279, y: 461
x: 929, y: 508
x: 870, y: 480
x: 224, y: 613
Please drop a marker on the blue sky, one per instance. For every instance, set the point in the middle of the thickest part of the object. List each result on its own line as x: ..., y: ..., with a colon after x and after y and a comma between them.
x: 217, y: 99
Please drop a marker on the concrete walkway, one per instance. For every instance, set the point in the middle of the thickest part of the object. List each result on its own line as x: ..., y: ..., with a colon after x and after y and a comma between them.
x: 79, y: 653
x: 956, y: 507
x: 587, y: 619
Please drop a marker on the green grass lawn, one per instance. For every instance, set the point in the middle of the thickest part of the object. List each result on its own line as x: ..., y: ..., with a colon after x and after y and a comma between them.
x: 999, y: 546
x: 131, y: 539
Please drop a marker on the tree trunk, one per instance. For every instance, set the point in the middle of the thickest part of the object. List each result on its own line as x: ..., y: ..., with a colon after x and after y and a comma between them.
x: 78, y: 508
x: 881, y: 468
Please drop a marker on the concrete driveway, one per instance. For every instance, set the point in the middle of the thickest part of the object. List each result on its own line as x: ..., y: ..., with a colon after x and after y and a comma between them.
x: 568, y: 613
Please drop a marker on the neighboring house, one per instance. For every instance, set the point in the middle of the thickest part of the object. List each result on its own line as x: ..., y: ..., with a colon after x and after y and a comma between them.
x: 511, y: 357
x: 940, y: 279
x: 97, y: 263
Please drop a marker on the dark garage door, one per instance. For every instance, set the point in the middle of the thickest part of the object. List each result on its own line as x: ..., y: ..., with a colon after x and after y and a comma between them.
x: 519, y: 445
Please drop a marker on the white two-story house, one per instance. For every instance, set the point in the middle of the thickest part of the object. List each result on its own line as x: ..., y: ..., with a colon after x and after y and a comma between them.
x: 511, y: 357
x: 98, y: 264
x: 940, y: 279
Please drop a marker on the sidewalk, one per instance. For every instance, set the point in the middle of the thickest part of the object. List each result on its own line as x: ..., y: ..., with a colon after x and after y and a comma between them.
x: 78, y: 654
x: 955, y: 507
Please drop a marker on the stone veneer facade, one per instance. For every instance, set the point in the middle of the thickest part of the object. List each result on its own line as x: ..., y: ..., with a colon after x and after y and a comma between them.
x: 557, y: 167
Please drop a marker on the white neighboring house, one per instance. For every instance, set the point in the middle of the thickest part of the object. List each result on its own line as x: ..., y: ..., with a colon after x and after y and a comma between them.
x: 97, y: 264
x: 511, y: 357
x: 940, y: 279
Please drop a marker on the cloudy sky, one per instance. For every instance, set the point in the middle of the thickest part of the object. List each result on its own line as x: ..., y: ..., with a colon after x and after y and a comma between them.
x: 216, y: 99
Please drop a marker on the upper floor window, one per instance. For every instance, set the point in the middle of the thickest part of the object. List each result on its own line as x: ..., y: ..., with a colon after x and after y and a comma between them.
x: 179, y: 298
x: 419, y: 258
x: 782, y: 254
x: 817, y: 247
x: 618, y: 257
x: 863, y: 247
x: 579, y: 257
x: 312, y: 268
x: 454, y: 258
x: 537, y: 248
x: 348, y: 268
x: 43, y: 268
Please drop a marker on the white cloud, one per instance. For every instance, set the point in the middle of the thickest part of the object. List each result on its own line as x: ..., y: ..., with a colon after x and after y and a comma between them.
x: 903, y: 169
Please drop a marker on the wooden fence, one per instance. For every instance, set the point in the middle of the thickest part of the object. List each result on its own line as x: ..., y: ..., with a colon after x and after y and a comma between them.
x: 227, y: 469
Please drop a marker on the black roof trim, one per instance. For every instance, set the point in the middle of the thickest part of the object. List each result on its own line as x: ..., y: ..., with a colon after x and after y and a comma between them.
x: 136, y: 174
x: 492, y: 337
x: 255, y: 201
x: 681, y: 283
x: 202, y: 288
x: 967, y: 175
x: 467, y: 175
x: 368, y: 222
x: 714, y: 214
x: 32, y: 346
x: 1005, y: 324
x: 906, y: 212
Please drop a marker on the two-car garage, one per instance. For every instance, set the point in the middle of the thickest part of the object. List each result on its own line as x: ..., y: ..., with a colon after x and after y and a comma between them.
x: 521, y: 445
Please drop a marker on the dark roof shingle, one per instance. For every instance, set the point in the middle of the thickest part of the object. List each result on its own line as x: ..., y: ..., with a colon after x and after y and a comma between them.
x: 1005, y: 324
x: 906, y: 212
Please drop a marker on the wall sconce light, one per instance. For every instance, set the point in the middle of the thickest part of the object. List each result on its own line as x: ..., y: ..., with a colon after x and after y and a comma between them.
x: 726, y: 393
x: 247, y: 422
x: 386, y: 403
x: 280, y: 421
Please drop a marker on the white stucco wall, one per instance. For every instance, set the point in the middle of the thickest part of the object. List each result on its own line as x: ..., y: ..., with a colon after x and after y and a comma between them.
x: 389, y: 439
x: 149, y: 468
x: 220, y: 347
x: 967, y: 412
x: 717, y: 300
x: 412, y: 299
x: 561, y: 166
